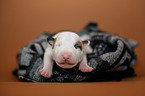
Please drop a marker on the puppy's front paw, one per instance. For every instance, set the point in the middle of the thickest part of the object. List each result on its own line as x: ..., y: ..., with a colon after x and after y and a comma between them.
x: 85, y: 68
x: 45, y: 72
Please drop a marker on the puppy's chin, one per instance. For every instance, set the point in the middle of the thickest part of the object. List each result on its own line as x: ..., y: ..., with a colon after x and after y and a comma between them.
x: 65, y: 65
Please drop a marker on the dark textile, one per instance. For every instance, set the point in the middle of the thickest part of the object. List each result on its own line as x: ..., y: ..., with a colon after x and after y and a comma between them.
x: 112, y: 58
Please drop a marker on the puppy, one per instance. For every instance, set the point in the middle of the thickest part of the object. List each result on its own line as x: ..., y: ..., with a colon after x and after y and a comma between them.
x: 67, y: 50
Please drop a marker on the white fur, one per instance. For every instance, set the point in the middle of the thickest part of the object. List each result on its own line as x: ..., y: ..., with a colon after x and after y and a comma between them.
x: 65, y: 54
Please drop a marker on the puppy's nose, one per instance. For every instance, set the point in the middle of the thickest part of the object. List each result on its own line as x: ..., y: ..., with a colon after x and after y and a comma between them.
x: 66, y: 57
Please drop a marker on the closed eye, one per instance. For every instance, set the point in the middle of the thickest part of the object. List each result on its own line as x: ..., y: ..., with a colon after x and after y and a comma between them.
x: 77, y: 46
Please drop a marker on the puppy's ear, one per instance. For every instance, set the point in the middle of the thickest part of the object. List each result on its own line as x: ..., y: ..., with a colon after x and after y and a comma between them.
x: 86, y: 43
x: 50, y: 40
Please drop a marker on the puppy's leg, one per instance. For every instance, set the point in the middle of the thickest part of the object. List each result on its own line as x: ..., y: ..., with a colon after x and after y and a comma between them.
x: 84, y: 66
x: 46, y: 71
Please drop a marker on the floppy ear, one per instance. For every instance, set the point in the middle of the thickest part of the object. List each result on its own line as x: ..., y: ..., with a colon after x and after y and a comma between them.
x: 86, y: 43
x: 50, y: 40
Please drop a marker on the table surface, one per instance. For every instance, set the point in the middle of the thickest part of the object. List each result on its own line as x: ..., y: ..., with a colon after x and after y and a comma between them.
x: 23, y: 20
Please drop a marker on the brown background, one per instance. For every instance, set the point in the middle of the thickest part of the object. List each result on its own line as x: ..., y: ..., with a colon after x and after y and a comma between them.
x: 23, y: 20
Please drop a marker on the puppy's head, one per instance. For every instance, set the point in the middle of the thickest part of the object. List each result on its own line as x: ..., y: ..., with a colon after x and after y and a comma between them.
x: 67, y: 49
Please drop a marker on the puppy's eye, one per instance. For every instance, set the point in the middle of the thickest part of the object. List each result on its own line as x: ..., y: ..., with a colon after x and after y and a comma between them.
x: 78, y: 46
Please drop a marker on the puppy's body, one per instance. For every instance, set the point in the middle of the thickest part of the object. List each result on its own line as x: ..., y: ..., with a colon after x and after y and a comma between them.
x: 67, y: 50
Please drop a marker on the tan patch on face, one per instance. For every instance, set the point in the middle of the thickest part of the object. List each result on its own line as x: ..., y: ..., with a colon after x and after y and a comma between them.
x: 80, y: 44
x: 54, y: 43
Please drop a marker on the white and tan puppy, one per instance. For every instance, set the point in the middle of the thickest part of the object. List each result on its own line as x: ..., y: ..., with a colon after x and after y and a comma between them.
x: 67, y: 50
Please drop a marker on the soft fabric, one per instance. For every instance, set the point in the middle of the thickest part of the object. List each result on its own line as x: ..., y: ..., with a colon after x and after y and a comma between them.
x: 112, y: 59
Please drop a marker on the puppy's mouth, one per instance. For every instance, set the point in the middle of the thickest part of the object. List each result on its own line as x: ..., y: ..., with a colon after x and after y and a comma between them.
x: 65, y: 64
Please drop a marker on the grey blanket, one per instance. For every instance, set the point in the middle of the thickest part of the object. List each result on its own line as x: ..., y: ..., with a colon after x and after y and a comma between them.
x: 112, y: 58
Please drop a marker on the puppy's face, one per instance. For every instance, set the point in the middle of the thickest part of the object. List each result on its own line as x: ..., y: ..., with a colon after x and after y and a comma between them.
x: 67, y: 49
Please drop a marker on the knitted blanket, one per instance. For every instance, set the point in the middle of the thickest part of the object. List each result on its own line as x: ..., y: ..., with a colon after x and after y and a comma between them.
x: 112, y: 59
